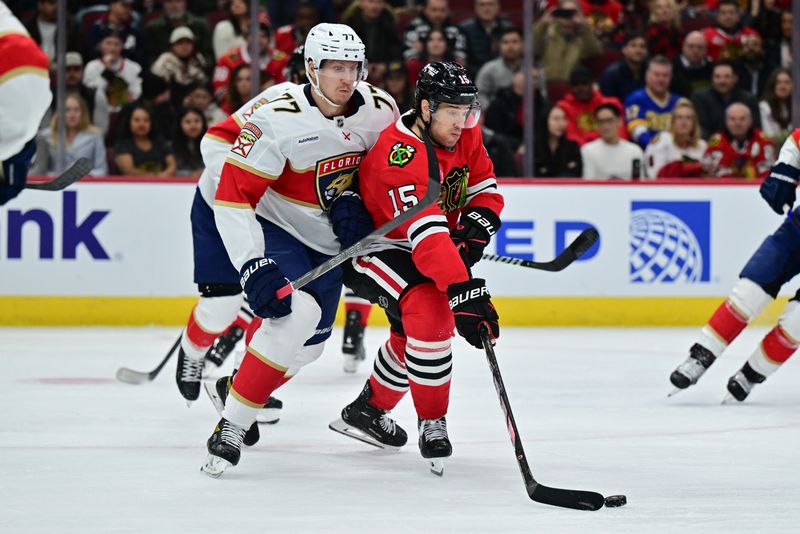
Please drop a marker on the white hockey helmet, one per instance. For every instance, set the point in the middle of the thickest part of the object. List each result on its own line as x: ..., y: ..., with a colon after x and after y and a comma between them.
x: 334, y: 41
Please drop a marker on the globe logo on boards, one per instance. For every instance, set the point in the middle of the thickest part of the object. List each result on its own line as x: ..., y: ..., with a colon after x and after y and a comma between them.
x: 669, y: 242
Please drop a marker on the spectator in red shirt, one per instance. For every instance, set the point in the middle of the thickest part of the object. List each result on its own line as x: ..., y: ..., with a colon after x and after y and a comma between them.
x: 663, y: 32
x: 289, y: 37
x: 271, y: 64
x: 725, y: 40
x: 739, y: 150
x: 579, y: 105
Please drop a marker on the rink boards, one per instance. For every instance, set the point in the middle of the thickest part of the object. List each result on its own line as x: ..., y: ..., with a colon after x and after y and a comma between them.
x: 120, y: 252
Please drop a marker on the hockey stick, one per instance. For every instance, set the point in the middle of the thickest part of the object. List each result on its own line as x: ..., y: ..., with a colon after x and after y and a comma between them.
x: 431, y: 196
x: 78, y: 170
x: 130, y: 376
x: 566, y: 498
x: 575, y: 250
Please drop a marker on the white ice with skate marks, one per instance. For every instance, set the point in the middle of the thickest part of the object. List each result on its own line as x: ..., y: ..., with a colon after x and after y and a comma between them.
x: 80, y: 452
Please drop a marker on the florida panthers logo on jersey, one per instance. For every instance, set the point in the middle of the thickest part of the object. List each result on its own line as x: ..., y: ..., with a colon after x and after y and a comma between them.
x: 454, y: 189
x: 334, y: 175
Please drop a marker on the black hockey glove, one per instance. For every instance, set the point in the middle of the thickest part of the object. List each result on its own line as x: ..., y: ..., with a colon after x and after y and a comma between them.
x: 350, y: 219
x: 14, y: 172
x: 472, y: 307
x: 473, y: 232
x: 779, y: 188
x: 267, y: 291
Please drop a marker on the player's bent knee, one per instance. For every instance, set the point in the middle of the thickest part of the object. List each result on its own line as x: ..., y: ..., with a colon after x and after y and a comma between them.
x: 426, y: 313
x: 749, y: 298
x: 307, y: 355
x: 215, y: 314
x: 281, y: 339
x: 789, y: 321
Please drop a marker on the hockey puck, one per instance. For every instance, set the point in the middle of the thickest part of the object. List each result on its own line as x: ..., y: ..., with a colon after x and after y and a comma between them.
x: 614, y: 501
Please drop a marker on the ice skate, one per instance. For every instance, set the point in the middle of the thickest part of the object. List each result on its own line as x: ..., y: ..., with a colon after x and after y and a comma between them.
x: 224, y: 448
x: 690, y: 371
x: 362, y: 421
x: 353, y: 342
x: 434, y: 445
x: 271, y: 412
x: 741, y: 384
x: 224, y: 345
x: 187, y: 375
x: 218, y: 391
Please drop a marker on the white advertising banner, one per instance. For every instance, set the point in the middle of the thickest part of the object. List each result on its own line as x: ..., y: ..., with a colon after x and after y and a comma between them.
x: 134, y: 239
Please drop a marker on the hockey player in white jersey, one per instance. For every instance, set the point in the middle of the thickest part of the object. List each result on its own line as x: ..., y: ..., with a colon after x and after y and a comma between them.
x: 24, y: 97
x: 284, y: 206
x: 772, y: 265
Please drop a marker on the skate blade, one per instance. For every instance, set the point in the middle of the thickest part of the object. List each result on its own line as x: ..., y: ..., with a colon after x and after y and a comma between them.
x: 268, y: 416
x: 674, y: 392
x: 437, y: 466
x: 351, y: 432
x: 211, y: 391
x: 215, y: 466
x: 729, y: 399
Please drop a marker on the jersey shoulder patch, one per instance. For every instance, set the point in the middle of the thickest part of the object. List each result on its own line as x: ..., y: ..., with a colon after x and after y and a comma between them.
x: 401, y: 154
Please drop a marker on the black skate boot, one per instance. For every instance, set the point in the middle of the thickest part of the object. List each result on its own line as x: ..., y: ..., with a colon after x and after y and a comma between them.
x: 224, y: 345
x: 271, y: 412
x: 363, y: 421
x: 188, y: 375
x: 690, y: 371
x: 741, y: 384
x: 218, y: 392
x: 353, y: 342
x: 434, y: 444
x: 224, y: 448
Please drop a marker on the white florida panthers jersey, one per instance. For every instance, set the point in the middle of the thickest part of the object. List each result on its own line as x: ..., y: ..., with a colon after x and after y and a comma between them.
x: 289, y: 162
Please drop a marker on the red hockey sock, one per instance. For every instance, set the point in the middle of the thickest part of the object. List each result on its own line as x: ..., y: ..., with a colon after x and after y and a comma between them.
x: 389, y: 380
x: 777, y: 346
x: 383, y: 397
x: 727, y: 322
x: 198, y: 337
x: 257, y: 379
x: 363, y: 309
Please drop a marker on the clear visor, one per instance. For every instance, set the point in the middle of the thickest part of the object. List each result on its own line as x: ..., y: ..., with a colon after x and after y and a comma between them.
x: 463, y: 115
x: 353, y: 71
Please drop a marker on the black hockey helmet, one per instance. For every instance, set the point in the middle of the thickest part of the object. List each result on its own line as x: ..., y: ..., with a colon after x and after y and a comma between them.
x: 296, y: 68
x: 444, y: 82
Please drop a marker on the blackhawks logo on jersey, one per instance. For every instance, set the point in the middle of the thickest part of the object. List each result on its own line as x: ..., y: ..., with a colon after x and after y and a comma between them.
x: 401, y: 155
x: 335, y: 175
x: 454, y: 189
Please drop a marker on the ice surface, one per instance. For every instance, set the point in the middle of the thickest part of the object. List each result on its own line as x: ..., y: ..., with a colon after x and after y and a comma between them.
x: 80, y: 452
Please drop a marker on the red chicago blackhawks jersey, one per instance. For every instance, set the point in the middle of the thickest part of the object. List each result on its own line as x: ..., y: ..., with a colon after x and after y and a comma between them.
x: 393, y: 177
x: 749, y: 159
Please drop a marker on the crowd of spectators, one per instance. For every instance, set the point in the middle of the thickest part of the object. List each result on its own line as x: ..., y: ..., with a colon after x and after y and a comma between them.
x: 630, y: 89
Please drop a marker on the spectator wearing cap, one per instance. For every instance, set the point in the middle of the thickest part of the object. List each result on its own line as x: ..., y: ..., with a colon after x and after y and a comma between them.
x: 182, y: 65
x: 374, y: 22
x: 435, y: 15
x: 691, y: 70
x: 496, y: 74
x: 290, y: 36
x: 482, y: 34
x: 563, y: 39
x: 395, y: 82
x: 42, y: 29
x: 229, y: 33
x: 271, y: 64
x: 157, y: 32
x: 609, y: 156
x: 726, y: 39
x: 580, y: 103
x: 623, y: 77
x: 118, y: 19
x: 712, y: 102
x: 96, y: 101
x: 118, y: 77
x: 649, y: 110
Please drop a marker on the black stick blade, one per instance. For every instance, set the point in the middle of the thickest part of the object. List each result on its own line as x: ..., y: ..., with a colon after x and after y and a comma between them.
x: 565, y: 498
x: 584, y: 241
x: 79, y: 169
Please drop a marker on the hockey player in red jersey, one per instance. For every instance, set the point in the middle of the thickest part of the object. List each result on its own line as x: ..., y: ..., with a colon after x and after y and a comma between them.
x: 281, y: 210
x: 24, y: 97
x: 739, y: 151
x: 420, y: 272
x: 772, y: 265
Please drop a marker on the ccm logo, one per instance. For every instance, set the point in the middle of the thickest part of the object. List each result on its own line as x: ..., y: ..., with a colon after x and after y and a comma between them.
x: 472, y: 294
